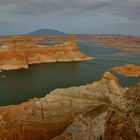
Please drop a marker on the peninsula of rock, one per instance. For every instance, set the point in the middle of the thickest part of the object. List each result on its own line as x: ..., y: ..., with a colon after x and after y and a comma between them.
x: 128, y: 70
x: 19, y: 51
x: 102, y: 110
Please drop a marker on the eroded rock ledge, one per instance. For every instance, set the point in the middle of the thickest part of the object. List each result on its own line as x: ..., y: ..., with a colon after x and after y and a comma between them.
x: 128, y: 70
x: 102, y: 110
x: 18, y: 52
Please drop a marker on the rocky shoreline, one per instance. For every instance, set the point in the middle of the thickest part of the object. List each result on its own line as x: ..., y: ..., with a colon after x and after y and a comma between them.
x: 102, y: 110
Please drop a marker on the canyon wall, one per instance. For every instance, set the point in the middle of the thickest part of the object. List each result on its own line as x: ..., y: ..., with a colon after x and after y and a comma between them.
x: 19, y: 52
x: 111, y: 40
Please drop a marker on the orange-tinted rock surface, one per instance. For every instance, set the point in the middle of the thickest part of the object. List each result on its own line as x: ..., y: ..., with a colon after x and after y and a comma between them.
x: 112, y: 40
x: 102, y: 110
x: 19, y: 52
x: 117, y: 120
x: 128, y: 70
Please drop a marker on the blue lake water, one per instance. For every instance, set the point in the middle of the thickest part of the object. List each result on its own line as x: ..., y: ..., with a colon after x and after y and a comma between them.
x: 40, y: 79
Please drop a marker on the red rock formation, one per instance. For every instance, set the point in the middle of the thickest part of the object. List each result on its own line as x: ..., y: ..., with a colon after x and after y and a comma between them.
x: 45, y: 118
x: 118, y: 120
x: 102, y: 110
x: 19, y: 52
x: 128, y: 70
x: 111, y: 40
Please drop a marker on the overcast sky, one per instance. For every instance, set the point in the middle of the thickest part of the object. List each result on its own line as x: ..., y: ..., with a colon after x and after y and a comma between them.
x: 70, y: 16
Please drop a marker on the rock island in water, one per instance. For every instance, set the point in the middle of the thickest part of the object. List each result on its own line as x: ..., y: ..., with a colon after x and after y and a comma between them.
x: 128, y: 70
x: 18, y: 52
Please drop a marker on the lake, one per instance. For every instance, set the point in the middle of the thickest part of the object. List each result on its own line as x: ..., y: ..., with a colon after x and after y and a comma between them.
x: 37, y: 81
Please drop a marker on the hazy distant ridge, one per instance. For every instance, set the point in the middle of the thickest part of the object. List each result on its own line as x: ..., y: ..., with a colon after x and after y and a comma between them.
x: 46, y: 31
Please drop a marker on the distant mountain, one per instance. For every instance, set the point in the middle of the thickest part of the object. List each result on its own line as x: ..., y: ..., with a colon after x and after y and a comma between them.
x: 46, y: 31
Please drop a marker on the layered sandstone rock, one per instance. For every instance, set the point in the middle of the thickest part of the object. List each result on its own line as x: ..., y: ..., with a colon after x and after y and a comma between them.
x: 119, y: 121
x: 128, y: 70
x: 102, y: 110
x: 19, y: 52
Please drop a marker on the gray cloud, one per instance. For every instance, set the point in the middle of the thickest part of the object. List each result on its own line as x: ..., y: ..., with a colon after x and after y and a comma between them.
x: 58, y: 7
x: 125, y: 8
x: 127, y: 11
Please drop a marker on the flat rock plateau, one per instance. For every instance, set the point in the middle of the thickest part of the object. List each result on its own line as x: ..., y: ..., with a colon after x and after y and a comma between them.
x: 102, y: 110
x: 128, y: 70
x: 19, y: 52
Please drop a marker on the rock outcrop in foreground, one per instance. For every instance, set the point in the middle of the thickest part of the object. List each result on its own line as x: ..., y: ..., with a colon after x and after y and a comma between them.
x: 128, y: 70
x: 19, y: 52
x: 102, y: 110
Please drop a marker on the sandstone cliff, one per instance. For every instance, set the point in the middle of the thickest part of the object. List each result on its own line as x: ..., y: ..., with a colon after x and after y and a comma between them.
x: 102, y: 110
x: 128, y: 70
x: 111, y: 39
x: 19, y: 52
